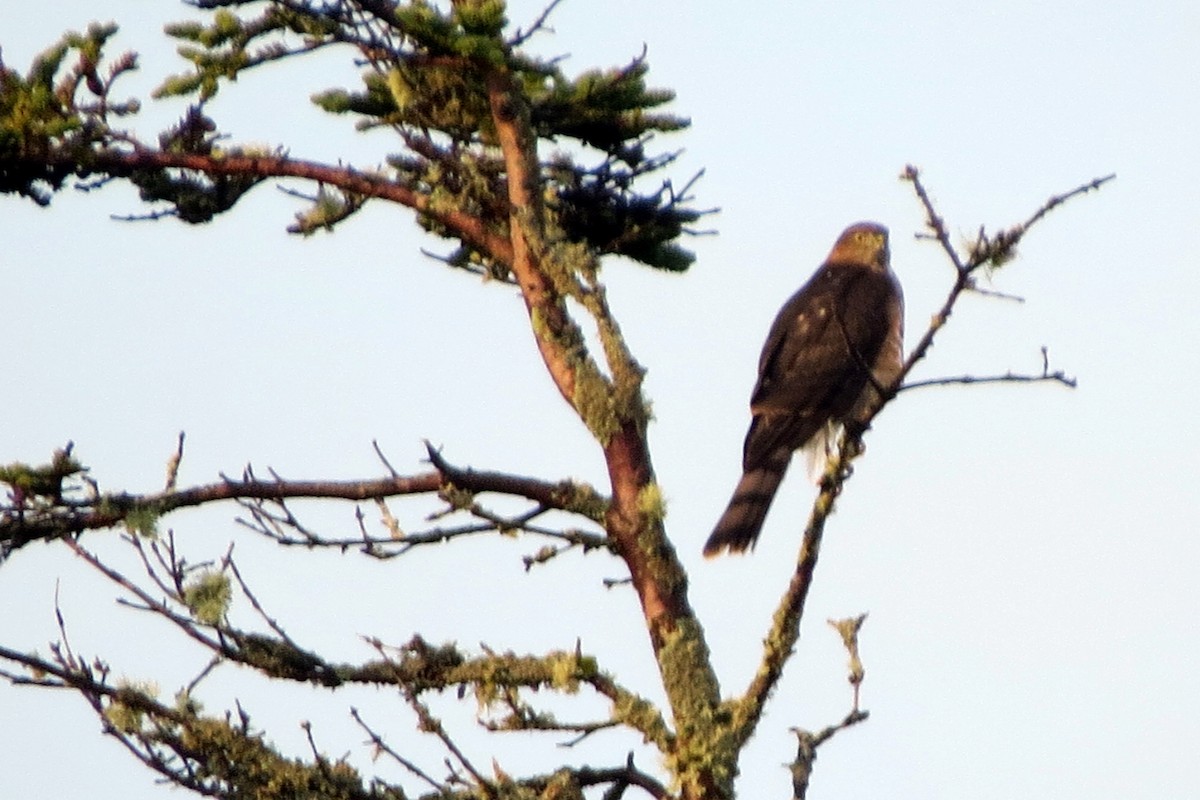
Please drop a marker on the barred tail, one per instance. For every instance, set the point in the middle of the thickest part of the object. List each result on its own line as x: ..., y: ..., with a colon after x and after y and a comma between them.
x: 739, y: 526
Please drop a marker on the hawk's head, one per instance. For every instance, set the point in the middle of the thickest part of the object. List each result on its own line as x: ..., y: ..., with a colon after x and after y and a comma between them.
x: 862, y: 243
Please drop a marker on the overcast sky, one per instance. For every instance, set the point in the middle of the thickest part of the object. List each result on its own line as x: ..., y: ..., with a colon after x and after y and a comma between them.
x: 1027, y: 553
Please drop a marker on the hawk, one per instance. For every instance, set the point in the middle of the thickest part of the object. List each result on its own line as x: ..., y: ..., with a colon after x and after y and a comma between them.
x: 833, y: 346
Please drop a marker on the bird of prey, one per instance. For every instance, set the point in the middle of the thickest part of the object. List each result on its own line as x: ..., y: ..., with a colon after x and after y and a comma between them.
x: 834, y: 346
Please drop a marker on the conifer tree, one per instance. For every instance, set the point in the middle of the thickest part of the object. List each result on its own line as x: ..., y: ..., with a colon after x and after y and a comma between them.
x: 534, y: 175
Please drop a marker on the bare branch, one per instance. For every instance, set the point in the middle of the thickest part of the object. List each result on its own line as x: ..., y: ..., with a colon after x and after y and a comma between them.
x: 271, y: 622
x: 619, y: 777
x: 381, y: 746
x: 572, y: 496
x: 1014, y: 234
x: 974, y: 288
x: 985, y: 251
x: 55, y: 516
x: 431, y: 724
x: 539, y: 24
x: 379, y: 452
x: 1057, y: 376
x: 806, y: 750
x: 933, y: 221
x: 522, y: 717
x: 173, y: 465
x: 785, y: 627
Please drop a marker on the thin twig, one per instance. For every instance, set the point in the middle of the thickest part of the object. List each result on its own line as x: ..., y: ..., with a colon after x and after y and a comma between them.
x: 538, y: 24
x: 186, y: 624
x: 585, y: 730
x: 173, y: 465
x: 933, y: 220
x: 619, y: 777
x: 431, y: 724
x: 381, y: 746
x: 379, y: 452
x: 806, y: 750
x: 272, y: 623
x: 1058, y: 199
x: 975, y: 289
x: 1008, y: 377
x: 212, y: 664
x: 72, y: 515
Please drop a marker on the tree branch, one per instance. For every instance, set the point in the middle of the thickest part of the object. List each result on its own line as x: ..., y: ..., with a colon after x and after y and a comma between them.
x: 785, y: 627
x: 441, y: 78
x: 615, y: 414
x: 1058, y: 376
x: 806, y: 750
x: 567, y: 495
x: 205, y: 754
x: 539, y: 24
x: 559, y: 339
x: 382, y: 746
x: 30, y: 517
x: 416, y: 667
x: 123, y: 163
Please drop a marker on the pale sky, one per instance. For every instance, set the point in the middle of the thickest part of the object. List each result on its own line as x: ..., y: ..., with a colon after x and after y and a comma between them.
x: 1027, y: 553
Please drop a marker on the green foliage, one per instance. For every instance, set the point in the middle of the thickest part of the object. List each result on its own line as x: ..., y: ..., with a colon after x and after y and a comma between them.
x: 481, y: 17
x: 142, y: 520
x: 40, y: 114
x: 124, y: 711
x: 281, y: 659
x: 441, y: 97
x: 230, y: 44
x: 582, y: 498
x: 423, y: 23
x: 652, y: 504
x: 194, y: 197
x: 186, y: 703
x: 605, y: 109
x: 44, y: 482
x: 378, y: 101
x: 426, y: 80
x: 329, y: 207
x: 594, y: 401
x: 243, y: 765
x: 603, y: 208
x: 207, y: 596
x: 708, y: 740
x: 224, y: 756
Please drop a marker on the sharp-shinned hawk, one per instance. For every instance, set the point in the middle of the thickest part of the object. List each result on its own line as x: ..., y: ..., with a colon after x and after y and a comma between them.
x: 832, y: 347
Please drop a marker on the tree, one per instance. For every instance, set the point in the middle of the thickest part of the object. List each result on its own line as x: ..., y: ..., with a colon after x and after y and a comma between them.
x: 535, y: 176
